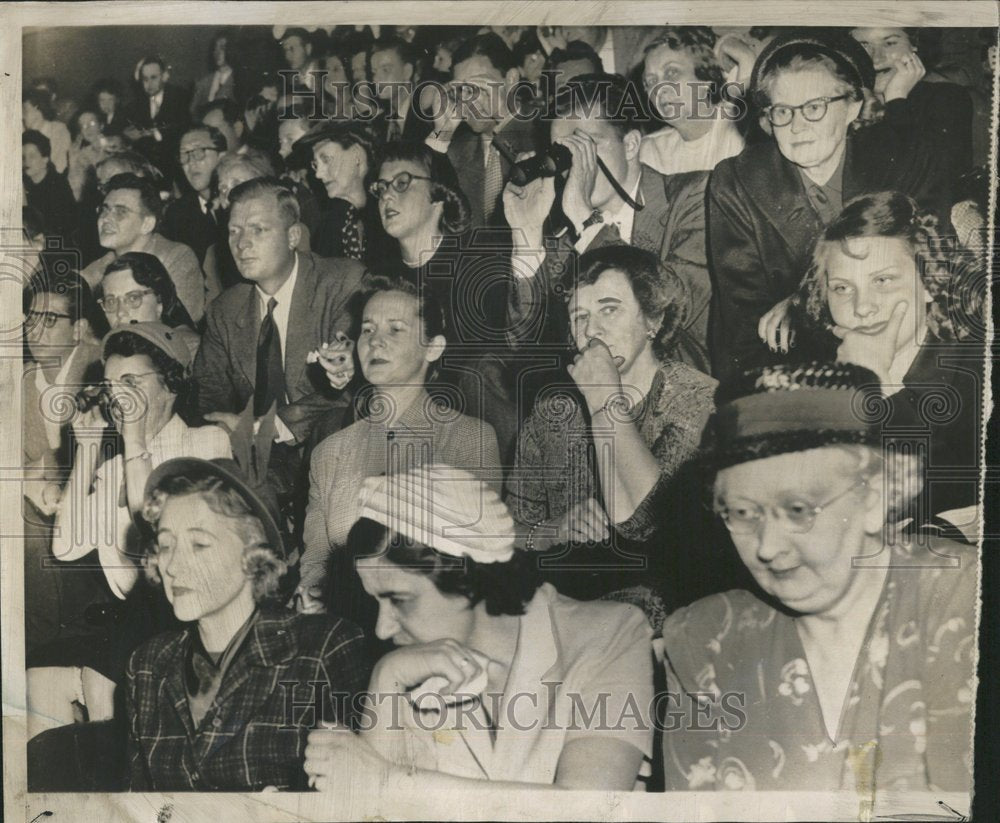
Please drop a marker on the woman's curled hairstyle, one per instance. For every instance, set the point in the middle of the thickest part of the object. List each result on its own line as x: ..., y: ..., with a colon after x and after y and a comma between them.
x: 661, y: 294
x: 504, y: 588
x: 952, y: 278
x: 456, y: 216
x: 261, y: 563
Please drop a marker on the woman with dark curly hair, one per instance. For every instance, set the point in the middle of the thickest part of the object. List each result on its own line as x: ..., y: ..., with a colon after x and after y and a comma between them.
x: 588, y: 461
x: 400, y: 342
x: 227, y: 702
x: 491, y: 669
x: 679, y: 64
x: 903, y: 301
x: 136, y: 288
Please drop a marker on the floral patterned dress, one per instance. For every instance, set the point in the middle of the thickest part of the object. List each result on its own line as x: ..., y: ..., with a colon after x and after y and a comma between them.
x: 749, y: 717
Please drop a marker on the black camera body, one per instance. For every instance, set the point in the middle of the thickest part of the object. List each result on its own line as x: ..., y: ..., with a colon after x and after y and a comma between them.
x: 556, y: 160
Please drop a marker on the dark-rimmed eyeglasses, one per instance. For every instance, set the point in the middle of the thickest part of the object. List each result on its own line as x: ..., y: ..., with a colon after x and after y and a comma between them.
x: 131, y: 300
x: 812, y: 110
x: 400, y: 183
x: 796, y: 516
x: 47, y: 318
x: 196, y: 154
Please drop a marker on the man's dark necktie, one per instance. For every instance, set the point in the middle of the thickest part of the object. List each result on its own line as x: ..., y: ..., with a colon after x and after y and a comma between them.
x: 270, y: 384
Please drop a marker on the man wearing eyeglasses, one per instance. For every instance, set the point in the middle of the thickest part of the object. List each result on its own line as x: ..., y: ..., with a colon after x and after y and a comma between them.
x: 190, y: 219
x: 127, y: 221
x: 768, y: 205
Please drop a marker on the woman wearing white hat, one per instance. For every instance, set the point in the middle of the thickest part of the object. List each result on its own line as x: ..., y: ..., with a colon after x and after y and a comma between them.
x: 495, y: 677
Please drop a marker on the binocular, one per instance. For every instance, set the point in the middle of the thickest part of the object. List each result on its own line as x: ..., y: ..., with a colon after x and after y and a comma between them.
x: 555, y: 160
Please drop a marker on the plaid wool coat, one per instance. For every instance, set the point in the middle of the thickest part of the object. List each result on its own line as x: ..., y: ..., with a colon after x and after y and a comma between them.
x: 290, y: 668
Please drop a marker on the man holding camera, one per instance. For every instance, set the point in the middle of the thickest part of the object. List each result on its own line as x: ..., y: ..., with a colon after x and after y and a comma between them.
x: 607, y: 196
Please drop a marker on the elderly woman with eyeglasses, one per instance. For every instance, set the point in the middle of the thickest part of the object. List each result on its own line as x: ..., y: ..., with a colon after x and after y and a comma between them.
x: 343, y: 156
x: 851, y: 663
x: 768, y: 205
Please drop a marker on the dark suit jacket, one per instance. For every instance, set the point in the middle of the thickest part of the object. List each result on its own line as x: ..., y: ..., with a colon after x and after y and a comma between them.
x: 465, y: 154
x: 186, y: 223
x: 254, y: 734
x: 171, y: 120
x: 762, y: 229
x: 225, y: 368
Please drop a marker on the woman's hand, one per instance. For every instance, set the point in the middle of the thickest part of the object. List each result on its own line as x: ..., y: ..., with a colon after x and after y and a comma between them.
x: 775, y: 327
x: 584, y: 522
x: 308, y: 600
x: 526, y: 207
x: 873, y: 350
x: 409, y: 666
x: 576, y: 204
x: 905, y: 73
x: 336, y: 757
x: 337, y: 360
x: 595, y: 373
x: 90, y: 423
x: 733, y: 50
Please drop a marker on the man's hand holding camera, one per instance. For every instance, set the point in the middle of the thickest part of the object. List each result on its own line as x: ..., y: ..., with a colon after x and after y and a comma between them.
x: 576, y: 203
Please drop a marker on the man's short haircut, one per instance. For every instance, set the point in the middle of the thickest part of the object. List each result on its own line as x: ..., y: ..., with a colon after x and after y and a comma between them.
x: 299, y: 32
x: 38, y: 140
x: 230, y: 110
x: 151, y: 60
x: 41, y: 100
x: 526, y: 45
x: 610, y: 96
x: 253, y: 159
x: 134, y: 163
x: 261, y: 187
x: 80, y: 301
x: 405, y: 51
x: 217, y: 137
x: 577, y: 50
x: 491, y: 46
x: 108, y: 85
x: 149, y: 197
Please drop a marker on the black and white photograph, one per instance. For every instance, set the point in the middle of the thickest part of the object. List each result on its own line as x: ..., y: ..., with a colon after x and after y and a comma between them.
x: 446, y: 411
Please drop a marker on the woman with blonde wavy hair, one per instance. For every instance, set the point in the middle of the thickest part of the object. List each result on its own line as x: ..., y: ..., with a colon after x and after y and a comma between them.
x: 210, y: 707
x: 901, y: 299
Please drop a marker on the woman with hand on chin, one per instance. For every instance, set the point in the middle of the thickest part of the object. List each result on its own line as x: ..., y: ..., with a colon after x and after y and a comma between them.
x: 491, y: 670
x: 641, y: 414
x: 901, y: 300
x: 401, y: 340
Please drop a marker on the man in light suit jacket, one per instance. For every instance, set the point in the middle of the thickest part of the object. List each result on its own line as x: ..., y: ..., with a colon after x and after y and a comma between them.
x: 484, y: 67
x: 307, y: 299
x: 127, y: 221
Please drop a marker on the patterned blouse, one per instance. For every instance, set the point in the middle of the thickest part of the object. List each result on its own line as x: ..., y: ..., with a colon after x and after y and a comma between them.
x: 554, y: 466
x: 908, y: 707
